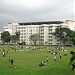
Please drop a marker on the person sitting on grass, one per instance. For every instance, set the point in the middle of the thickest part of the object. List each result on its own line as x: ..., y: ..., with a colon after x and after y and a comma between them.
x: 73, y: 66
x: 42, y: 64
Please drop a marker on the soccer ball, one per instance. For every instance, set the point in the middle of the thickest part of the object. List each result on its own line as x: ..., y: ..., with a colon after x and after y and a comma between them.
x: 15, y: 67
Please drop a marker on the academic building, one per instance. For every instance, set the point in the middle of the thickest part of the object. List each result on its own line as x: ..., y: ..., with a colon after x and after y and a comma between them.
x: 44, y: 29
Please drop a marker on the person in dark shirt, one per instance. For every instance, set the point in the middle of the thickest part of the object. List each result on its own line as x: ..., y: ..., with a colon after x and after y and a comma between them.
x: 73, y: 66
x: 12, y: 61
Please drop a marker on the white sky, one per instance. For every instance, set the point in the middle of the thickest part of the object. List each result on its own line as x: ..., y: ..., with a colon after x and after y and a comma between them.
x: 35, y: 10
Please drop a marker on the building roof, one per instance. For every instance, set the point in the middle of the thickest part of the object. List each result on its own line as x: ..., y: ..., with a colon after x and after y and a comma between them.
x: 39, y: 23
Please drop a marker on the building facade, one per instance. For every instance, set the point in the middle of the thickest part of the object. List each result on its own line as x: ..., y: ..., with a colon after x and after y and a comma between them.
x: 44, y: 29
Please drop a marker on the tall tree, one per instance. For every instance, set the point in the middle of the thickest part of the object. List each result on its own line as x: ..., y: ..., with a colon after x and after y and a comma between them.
x: 63, y: 33
x: 17, y: 36
x: 13, y: 38
x: 72, y: 57
x: 5, y: 36
x: 34, y: 38
x: 73, y: 38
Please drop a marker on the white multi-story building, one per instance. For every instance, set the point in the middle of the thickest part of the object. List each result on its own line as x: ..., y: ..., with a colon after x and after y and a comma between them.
x: 71, y: 24
x: 26, y: 31
x: 11, y: 28
x: 44, y: 29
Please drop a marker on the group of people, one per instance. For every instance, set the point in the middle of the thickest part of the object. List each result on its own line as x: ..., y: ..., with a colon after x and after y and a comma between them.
x: 6, y: 52
x: 55, y: 54
x: 44, y: 63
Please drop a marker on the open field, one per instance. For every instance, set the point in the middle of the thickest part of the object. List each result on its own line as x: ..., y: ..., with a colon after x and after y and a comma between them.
x: 26, y: 63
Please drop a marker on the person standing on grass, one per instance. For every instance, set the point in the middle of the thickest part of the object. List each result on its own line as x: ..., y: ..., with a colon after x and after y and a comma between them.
x: 60, y: 55
x: 46, y: 58
x: 12, y: 62
x: 54, y: 57
x: 52, y: 49
x: 3, y: 53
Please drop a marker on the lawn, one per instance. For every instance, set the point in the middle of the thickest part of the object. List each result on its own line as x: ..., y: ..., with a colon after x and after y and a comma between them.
x: 27, y: 63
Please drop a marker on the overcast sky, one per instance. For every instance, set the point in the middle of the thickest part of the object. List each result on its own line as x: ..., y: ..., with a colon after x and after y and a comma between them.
x: 35, y: 10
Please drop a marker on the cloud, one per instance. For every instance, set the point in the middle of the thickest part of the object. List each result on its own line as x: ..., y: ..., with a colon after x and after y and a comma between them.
x: 35, y: 10
x: 27, y: 4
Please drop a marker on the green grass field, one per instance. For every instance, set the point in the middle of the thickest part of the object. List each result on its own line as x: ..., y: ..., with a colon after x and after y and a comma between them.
x: 26, y: 63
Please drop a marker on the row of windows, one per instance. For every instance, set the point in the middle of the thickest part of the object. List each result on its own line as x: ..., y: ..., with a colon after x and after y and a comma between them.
x: 27, y: 27
x: 25, y: 34
x: 31, y: 30
x: 27, y: 30
x: 22, y: 36
x: 20, y: 30
x: 49, y: 43
x: 50, y: 33
x: 32, y: 27
x: 43, y: 29
x: 40, y: 40
x: 20, y: 27
x: 28, y: 34
x: 50, y: 29
x: 22, y: 40
x: 22, y: 33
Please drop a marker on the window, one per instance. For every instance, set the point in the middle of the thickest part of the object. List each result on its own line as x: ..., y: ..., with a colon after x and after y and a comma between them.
x: 21, y: 36
x: 21, y: 39
x: 50, y: 36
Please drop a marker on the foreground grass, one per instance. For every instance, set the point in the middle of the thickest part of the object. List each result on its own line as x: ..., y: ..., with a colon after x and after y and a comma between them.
x: 27, y: 62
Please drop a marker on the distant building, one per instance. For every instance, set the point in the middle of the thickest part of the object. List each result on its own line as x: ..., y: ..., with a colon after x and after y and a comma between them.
x: 71, y: 24
x: 44, y: 29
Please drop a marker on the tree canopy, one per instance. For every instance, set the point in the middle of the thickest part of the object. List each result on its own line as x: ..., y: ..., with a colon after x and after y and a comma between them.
x: 5, y: 36
x: 73, y: 38
x: 34, y: 38
x: 17, y: 35
x: 13, y: 38
x: 72, y: 58
x: 63, y: 33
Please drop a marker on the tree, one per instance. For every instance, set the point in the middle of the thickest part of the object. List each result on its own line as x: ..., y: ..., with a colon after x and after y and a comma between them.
x: 13, y: 38
x: 34, y: 38
x: 63, y: 34
x: 72, y: 52
x: 73, y: 38
x: 5, y: 36
x: 17, y: 36
x: 72, y: 58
